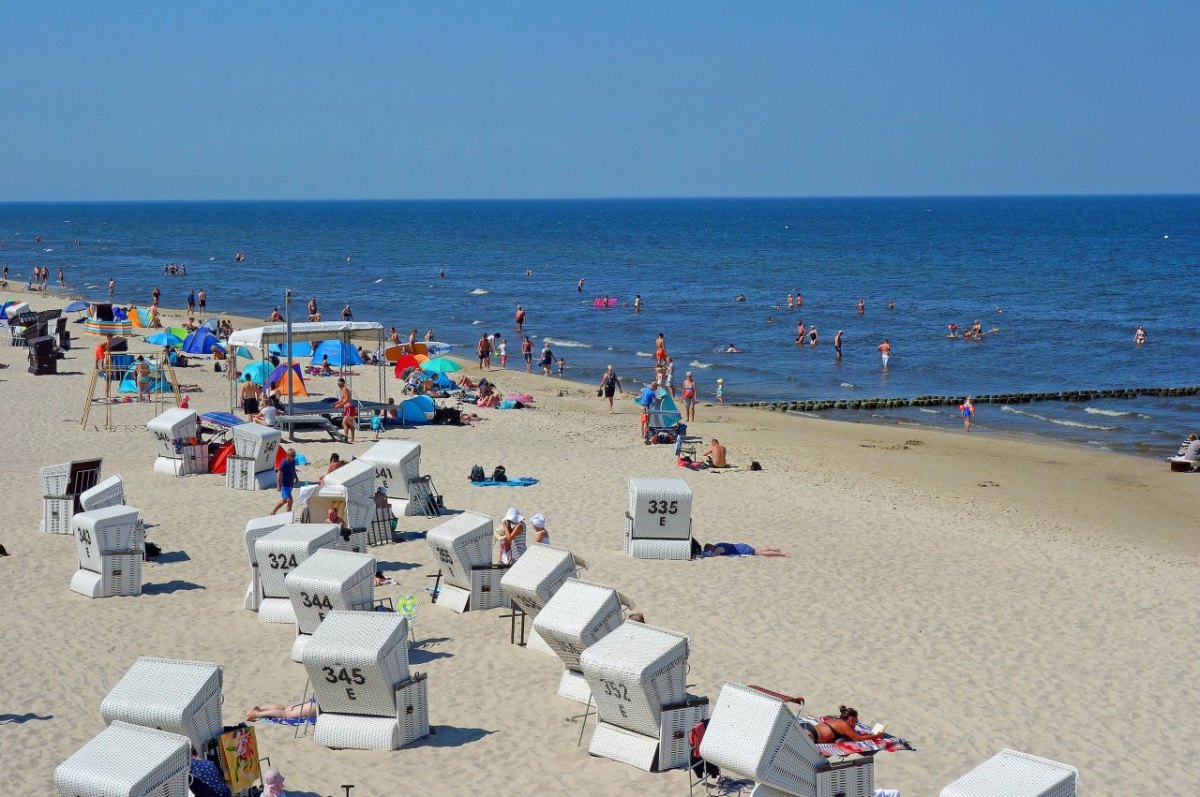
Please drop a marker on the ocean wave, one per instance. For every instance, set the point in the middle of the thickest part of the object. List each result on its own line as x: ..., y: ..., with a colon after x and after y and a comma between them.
x: 698, y: 364
x: 476, y: 323
x: 1114, y: 413
x: 48, y: 250
x: 643, y: 354
x: 1075, y: 424
x: 567, y: 344
x: 847, y: 384
x: 479, y: 292
x: 931, y: 412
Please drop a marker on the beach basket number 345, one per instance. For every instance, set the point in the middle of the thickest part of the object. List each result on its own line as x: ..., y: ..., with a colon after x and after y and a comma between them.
x: 662, y: 508
x: 353, y: 676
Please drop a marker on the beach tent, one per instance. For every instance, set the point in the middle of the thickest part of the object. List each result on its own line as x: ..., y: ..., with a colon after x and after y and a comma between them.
x: 300, y: 348
x: 663, y: 412
x: 257, y: 372
x: 158, y: 382
x: 293, y: 384
x: 143, y: 319
x: 339, y: 352
x: 211, y: 325
x: 201, y: 342
x: 416, y: 410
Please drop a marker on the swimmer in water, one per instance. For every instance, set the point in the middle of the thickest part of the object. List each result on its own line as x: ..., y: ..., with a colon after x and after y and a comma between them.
x: 862, y: 306
x: 579, y: 285
x: 528, y: 272
x: 800, y: 328
x: 739, y: 298
x: 791, y: 302
x: 637, y: 303
x: 770, y: 320
x: 799, y: 300
x: 837, y: 345
x: 891, y: 304
x: 952, y: 330
x: 1139, y: 335
x: 813, y: 338
x: 731, y: 349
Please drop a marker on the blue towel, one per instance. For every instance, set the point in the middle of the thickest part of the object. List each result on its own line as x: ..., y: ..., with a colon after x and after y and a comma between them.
x: 520, y: 481
x: 294, y: 721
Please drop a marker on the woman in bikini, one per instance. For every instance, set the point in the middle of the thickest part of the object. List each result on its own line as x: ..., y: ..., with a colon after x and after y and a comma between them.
x: 840, y: 728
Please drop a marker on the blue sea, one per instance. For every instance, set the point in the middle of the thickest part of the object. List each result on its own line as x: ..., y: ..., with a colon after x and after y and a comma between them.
x: 1063, y: 280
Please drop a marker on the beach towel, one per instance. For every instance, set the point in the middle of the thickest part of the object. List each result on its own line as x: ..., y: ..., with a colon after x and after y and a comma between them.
x: 520, y: 481
x: 888, y: 744
x: 293, y: 721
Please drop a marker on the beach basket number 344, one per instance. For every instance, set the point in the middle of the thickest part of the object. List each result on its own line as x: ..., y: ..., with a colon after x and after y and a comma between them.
x: 663, y: 508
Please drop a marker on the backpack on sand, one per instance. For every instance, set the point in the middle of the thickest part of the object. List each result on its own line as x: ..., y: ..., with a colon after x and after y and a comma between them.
x: 477, y: 474
x: 498, y: 475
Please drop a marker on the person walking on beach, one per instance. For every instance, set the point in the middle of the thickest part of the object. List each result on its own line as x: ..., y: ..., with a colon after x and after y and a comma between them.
x: 689, y: 398
x: 885, y: 352
x: 519, y: 317
x: 484, y: 350
x: 610, y: 383
x: 191, y: 301
x: 502, y: 349
x: 527, y: 353
x: 285, y: 480
x: 345, y: 403
x: 837, y: 345
x: 720, y: 394
x: 968, y: 412
x: 202, y: 297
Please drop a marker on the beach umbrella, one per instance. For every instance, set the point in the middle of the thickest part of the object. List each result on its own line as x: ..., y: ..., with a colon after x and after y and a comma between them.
x: 165, y: 339
x: 441, y: 365
x: 405, y: 362
x: 76, y: 307
x: 300, y: 348
x: 339, y: 352
x: 421, y: 358
x: 179, y: 332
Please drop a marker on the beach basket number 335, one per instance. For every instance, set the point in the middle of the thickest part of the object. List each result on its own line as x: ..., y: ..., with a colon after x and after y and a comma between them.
x: 663, y: 508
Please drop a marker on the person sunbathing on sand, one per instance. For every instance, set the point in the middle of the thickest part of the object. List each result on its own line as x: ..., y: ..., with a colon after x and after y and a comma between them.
x: 714, y: 455
x: 281, y: 711
x: 739, y: 549
x: 839, y: 728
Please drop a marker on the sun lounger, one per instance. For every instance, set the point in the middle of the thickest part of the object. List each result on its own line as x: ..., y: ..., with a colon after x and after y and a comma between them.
x: 578, y: 615
x: 181, y: 697
x: 658, y: 523
x: 126, y: 760
x: 753, y: 734
x: 1013, y: 774
x: 638, y: 678
x: 328, y: 580
x: 358, y: 665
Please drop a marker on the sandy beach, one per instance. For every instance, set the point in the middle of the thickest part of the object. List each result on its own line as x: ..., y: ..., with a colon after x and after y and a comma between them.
x: 973, y: 591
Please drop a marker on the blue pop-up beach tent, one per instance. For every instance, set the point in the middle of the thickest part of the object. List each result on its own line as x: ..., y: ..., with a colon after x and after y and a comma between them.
x: 158, y: 382
x: 416, y: 410
x: 201, y: 342
x: 257, y: 372
x: 339, y: 352
x: 301, y: 348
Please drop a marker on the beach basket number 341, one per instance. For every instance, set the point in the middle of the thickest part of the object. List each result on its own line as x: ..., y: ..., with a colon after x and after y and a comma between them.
x: 663, y: 508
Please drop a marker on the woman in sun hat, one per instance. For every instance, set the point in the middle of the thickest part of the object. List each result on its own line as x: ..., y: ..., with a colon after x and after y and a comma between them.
x: 512, y: 536
x: 540, y: 535
x: 273, y: 783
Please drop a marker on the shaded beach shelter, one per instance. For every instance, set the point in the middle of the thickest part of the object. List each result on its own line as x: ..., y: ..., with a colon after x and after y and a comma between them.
x: 300, y: 348
x: 165, y: 339
x: 416, y: 410
x: 158, y: 382
x: 201, y: 342
x: 288, y: 383
x: 440, y: 365
x: 107, y: 327
x: 339, y: 352
x: 179, y: 332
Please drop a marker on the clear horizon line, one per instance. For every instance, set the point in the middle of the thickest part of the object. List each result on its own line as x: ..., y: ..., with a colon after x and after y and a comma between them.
x: 629, y: 198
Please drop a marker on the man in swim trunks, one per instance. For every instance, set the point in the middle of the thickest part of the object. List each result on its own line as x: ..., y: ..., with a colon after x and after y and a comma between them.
x: 609, y: 385
x: 484, y: 350
x: 519, y: 317
x: 739, y: 549
x: 527, y: 352
x: 251, y: 393
x: 714, y: 455
x: 345, y: 403
x: 202, y: 298
x: 637, y: 303
x: 837, y: 345
x: 885, y: 352
x: 579, y: 286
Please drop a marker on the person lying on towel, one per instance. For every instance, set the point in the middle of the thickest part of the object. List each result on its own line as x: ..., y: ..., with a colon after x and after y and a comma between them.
x: 739, y: 549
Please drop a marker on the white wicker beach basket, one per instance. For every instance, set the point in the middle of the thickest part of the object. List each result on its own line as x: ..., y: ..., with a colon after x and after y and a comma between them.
x: 110, y: 492
x: 328, y: 580
x: 356, y: 732
x: 354, y: 482
x: 173, y: 424
x: 256, y: 528
x: 170, y: 695
x: 57, y: 514
x: 106, y: 532
x: 355, y: 660
x: 116, y: 575
x: 257, y: 442
x: 1010, y: 773
x: 460, y: 543
x: 580, y: 614
x: 281, y: 551
x: 633, y: 672
x: 660, y: 508
x: 535, y: 577
x: 126, y: 760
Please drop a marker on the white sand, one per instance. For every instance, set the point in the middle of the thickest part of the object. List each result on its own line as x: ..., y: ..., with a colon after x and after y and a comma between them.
x: 1052, y: 611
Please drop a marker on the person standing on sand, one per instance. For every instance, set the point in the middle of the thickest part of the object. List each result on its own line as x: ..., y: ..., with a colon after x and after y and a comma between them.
x: 519, y: 317
x: 285, y: 480
x: 345, y: 403
x: 484, y: 350
x: 202, y: 298
x: 610, y: 383
x: 968, y: 413
x: 837, y: 345
x: 689, y: 398
x: 885, y: 352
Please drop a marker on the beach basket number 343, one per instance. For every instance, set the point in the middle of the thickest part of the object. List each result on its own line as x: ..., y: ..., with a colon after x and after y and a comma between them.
x: 662, y: 508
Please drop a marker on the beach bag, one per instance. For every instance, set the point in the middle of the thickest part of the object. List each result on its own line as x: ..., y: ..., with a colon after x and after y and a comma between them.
x: 755, y: 465
x: 498, y: 475
x: 477, y: 474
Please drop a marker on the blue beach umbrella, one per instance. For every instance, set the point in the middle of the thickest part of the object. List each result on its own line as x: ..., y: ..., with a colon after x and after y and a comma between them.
x: 75, y: 307
x: 165, y: 339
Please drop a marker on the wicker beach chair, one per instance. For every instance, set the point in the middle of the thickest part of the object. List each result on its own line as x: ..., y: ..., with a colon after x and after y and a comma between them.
x: 638, y: 678
x: 358, y: 665
x: 753, y: 734
x: 110, y: 544
x: 658, y: 522
x: 280, y: 552
x: 126, y: 760
x: 398, y: 471
x: 532, y: 581
x: 329, y: 579
x: 350, y: 487
x: 61, y: 487
x: 579, y: 614
x: 257, y: 442
x: 468, y: 581
x: 1013, y: 774
x: 110, y: 492
x: 172, y: 430
x: 178, y: 696
x: 256, y: 528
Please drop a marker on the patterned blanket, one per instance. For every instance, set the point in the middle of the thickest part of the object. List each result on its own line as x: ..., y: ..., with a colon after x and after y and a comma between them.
x: 520, y: 481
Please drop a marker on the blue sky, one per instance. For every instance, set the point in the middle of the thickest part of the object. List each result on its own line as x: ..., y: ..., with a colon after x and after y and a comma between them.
x: 153, y: 100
